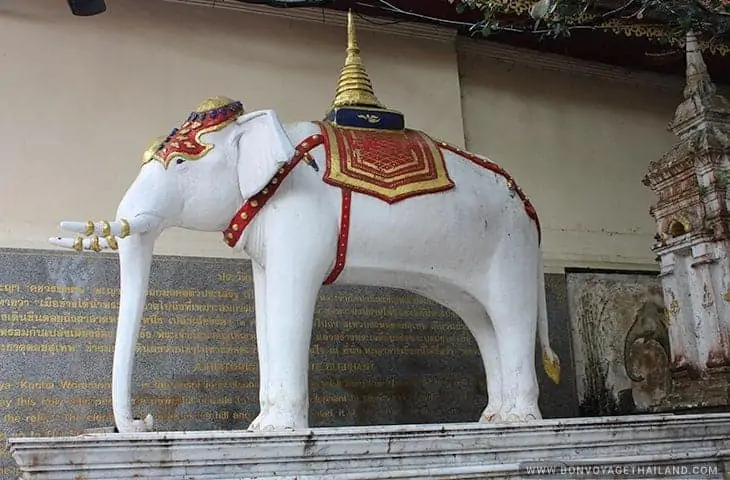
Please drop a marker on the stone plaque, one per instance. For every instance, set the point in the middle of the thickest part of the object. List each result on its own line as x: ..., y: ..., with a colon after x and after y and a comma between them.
x: 379, y: 356
x: 620, y: 340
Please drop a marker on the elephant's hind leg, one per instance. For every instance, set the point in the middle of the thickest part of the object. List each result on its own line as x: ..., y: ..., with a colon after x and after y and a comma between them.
x: 473, y: 314
x: 509, y: 295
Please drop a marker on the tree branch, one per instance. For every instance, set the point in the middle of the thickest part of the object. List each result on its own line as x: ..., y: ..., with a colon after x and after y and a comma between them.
x: 708, y: 18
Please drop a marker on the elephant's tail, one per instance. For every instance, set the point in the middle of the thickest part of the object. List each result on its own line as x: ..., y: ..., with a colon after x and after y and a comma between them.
x: 550, y: 360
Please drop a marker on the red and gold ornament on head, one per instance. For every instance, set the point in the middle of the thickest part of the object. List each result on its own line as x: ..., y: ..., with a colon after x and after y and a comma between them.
x: 184, y: 142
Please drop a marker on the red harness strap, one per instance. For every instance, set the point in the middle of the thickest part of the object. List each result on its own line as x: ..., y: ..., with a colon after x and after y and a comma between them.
x: 489, y: 165
x: 342, y: 240
x: 245, y: 215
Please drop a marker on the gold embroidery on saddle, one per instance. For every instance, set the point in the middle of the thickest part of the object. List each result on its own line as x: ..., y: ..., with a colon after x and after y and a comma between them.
x: 389, y: 165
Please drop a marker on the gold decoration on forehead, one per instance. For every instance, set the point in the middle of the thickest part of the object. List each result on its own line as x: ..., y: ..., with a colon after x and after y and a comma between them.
x: 212, y: 103
x: 354, y: 86
x: 152, y: 149
x: 213, y: 114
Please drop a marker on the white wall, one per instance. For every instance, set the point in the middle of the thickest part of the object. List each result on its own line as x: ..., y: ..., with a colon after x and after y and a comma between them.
x: 579, y: 147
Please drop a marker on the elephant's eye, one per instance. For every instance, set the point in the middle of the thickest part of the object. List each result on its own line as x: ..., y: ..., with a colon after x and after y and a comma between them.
x: 180, y: 160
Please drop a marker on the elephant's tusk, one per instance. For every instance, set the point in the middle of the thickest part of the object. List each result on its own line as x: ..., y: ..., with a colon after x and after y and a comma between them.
x: 109, y: 232
x: 94, y: 243
x: 120, y: 228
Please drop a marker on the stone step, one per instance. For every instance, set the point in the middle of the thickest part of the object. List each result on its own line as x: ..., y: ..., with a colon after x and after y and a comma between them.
x: 645, y: 446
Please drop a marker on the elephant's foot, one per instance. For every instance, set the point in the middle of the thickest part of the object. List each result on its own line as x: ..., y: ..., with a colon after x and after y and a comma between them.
x: 491, y: 414
x: 137, y: 425
x: 255, y: 426
x: 520, y: 414
x: 275, y: 420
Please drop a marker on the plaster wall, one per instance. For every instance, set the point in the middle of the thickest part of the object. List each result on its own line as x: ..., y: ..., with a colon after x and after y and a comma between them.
x: 83, y: 97
x: 579, y: 147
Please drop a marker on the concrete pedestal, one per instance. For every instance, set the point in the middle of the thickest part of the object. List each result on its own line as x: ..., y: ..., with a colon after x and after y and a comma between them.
x: 647, y: 446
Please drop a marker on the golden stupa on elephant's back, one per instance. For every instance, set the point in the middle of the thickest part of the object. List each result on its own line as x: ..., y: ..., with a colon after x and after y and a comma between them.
x: 355, y: 103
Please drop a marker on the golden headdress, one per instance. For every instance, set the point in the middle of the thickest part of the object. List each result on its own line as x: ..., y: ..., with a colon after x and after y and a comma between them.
x: 211, y: 115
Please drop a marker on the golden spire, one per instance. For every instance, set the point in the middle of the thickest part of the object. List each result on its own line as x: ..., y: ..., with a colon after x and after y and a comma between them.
x: 354, y: 86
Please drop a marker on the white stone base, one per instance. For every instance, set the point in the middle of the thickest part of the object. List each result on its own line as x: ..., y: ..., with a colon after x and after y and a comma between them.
x: 694, y: 446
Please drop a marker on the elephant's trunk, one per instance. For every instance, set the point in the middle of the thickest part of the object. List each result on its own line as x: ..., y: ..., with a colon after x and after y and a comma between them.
x: 151, y: 204
x: 135, y: 260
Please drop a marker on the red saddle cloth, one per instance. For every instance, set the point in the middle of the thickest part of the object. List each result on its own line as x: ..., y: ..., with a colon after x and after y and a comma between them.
x: 389, y: 165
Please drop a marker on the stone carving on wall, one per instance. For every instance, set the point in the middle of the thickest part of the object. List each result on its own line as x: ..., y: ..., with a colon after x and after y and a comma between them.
x: 647, y: 351
x: 620, y: 342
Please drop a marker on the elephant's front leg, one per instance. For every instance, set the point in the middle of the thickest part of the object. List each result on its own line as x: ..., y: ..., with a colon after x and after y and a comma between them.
x: 259, y: 281
x: 292, y: 286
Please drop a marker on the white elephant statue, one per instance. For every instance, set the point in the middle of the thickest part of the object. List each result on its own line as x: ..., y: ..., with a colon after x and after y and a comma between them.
x: 473, y: 248
x: 391, y: 208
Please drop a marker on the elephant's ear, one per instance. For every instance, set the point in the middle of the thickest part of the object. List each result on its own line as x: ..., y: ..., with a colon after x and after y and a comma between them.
x: 263, y: 148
